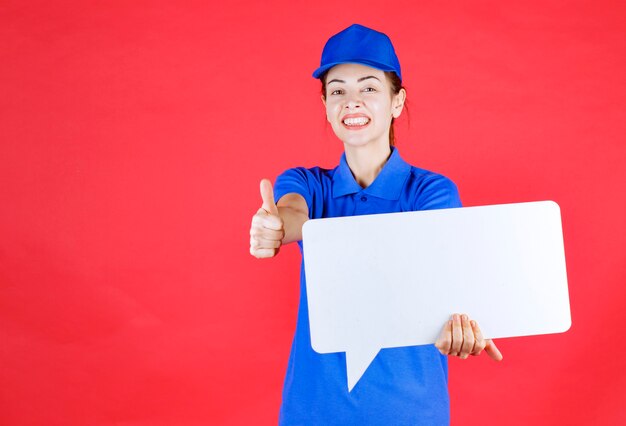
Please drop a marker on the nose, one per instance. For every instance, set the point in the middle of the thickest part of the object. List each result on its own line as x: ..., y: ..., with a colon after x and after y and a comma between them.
x: 353, y: 101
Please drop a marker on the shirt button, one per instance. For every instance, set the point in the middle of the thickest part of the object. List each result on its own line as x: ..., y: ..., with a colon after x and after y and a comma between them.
x: 363, y: 198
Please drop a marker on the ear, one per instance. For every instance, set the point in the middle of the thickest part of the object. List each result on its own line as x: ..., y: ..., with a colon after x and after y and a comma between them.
x: 398, y: 103
x: 324, y: 102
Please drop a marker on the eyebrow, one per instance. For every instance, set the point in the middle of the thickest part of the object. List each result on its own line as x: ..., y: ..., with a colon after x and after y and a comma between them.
x: 336, y: 80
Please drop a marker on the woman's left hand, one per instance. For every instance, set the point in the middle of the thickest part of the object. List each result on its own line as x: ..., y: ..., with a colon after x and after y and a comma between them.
x: 462, y: 337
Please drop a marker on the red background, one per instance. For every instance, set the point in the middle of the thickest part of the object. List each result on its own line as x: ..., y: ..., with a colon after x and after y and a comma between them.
x: 133, y: 138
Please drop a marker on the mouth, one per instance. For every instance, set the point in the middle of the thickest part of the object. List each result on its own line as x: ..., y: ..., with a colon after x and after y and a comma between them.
x: 355, y: 123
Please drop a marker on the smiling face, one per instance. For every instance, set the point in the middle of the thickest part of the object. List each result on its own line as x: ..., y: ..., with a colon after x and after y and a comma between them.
x: 360, y: 104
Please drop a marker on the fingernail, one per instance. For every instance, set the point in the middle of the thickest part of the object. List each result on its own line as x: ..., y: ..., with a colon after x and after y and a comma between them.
x: 464, y: 317
x: 456, y: 317
x: 473, y: 323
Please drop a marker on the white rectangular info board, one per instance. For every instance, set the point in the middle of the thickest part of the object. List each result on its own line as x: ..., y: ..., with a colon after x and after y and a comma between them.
x: 390, y: 280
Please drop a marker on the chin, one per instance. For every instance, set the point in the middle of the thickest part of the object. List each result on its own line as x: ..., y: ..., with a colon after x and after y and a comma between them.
x: 357, y: 141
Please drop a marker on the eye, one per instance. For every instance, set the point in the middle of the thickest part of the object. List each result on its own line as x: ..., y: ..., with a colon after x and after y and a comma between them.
x: 369, y: 89
x: 336, y: 92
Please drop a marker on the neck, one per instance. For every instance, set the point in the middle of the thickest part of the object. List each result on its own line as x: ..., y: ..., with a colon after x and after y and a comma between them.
x: 367, y: 161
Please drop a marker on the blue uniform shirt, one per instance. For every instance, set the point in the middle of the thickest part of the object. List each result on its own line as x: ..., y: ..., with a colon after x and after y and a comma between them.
x: 402, y: 386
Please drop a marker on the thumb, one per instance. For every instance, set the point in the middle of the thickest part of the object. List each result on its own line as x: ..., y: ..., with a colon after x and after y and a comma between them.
x: 267, y: 194
x: 444, y: 341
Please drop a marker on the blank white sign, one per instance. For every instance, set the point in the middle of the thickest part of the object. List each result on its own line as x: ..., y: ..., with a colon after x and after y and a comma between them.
x: 390, y: 280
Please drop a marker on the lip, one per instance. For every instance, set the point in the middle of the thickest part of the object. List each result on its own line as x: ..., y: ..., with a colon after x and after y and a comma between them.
x: 355, y: 116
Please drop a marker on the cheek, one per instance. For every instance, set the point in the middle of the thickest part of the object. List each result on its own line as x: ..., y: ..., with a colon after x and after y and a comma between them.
x: 382, y: 111
x: 333, y: 110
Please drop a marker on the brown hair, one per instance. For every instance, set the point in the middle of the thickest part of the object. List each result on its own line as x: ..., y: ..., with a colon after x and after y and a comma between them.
x: 396, y: 86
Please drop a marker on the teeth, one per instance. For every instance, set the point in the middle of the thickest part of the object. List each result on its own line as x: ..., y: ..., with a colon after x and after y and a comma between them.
x: 357, y: 121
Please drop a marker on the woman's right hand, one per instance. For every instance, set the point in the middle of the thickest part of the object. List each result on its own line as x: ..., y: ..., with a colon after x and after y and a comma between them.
x: 267, y: 229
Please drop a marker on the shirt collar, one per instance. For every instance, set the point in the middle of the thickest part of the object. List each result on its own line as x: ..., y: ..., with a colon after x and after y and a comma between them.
x: 388, y: 184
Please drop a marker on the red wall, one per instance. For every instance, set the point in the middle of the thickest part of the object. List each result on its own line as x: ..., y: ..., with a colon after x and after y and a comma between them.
x: 133, y: 136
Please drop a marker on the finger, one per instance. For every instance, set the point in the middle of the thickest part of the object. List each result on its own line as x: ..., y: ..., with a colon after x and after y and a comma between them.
x: 263, y: 233
x: 263, y: 253
x: 267, y: 195
x: 444, y: 341
x: 468, y: 337
x: 479, y: 340
x: 273, y: 223
x: 264, y: 244
x: 269, y: 221
x: 457, y: 335
x: 260, y: 233
x: 493, y: 351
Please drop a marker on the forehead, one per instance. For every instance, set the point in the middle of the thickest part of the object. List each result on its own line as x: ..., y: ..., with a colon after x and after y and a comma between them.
x: 352, y: 72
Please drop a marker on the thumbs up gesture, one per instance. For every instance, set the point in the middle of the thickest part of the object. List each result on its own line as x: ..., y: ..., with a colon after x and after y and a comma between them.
x: 267, y: 229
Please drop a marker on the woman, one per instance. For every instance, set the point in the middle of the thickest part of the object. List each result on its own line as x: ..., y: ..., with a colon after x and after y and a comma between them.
x: 363, y: 94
